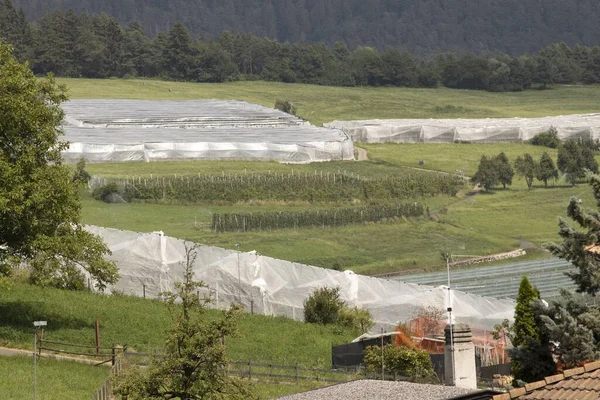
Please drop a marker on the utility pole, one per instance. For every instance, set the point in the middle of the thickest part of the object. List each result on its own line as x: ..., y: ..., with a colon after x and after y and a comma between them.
x: 448, y: 257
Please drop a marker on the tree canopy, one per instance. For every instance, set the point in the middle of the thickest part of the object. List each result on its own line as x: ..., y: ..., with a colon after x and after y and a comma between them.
x: 39, y: 201
x: 527, y: 169
x: 575, y: 158
x: 195, y: 363
x: 487, y: 174
x: 573, y: 322
x: 420, y: 27
x: 546, y: 169
x: 80, y: 41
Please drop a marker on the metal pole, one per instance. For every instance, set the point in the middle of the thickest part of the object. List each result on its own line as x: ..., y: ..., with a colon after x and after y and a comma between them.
x: 35, y: 363
x: 450, y: 322
x: 239, y: 276
x: 382, y: 360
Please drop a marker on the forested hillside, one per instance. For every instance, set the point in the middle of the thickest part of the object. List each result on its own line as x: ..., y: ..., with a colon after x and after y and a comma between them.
x: 97, y: 46
x: 420, y: 27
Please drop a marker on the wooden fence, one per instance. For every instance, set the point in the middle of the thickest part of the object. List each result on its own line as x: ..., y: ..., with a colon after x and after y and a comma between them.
x: 104, y: 355
x: 105, y: 391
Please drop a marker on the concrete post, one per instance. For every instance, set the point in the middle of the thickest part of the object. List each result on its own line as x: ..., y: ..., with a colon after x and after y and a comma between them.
x: 459, y: 357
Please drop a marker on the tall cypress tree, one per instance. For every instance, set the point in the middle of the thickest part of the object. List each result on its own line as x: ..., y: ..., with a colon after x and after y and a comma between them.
x: 524, y: 325
x: 531, y: 356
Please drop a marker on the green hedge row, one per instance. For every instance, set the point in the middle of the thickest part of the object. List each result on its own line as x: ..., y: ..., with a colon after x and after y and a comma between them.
x: 261, y: 221
x: 328, y: 187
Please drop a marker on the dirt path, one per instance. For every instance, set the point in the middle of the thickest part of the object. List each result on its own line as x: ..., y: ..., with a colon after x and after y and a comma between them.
x: 361, y: 154
x: 9, y: 352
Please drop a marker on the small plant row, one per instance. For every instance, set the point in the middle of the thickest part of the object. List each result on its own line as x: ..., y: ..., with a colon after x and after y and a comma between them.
x: 324, y: 187
x: 272, y: 220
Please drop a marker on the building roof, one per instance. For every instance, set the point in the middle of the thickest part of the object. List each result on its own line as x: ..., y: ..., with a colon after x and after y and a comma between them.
x: 581, y: 383
x: 593, y: 248
x: 380, y: 390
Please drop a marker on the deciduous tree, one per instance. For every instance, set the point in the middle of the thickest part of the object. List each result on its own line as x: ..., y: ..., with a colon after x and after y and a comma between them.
x: 39, y: 201
x: 486, y: 175
x: 526, y: 168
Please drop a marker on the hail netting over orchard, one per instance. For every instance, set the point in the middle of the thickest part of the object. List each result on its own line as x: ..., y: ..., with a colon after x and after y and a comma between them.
x: 151, y: 263
x: 149, y: 130
x: 484, y: 130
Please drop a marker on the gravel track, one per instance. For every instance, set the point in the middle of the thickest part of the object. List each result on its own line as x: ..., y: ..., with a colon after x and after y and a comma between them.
x: 380, y: 390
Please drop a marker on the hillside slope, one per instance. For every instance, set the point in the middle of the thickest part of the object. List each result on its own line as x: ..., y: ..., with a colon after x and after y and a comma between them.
x: 420, y: 27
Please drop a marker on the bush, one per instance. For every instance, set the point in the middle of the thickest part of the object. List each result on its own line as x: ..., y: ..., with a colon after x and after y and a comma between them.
x: 323, y: 305
x: 399, y: 360
x: 104, y: 192
x: 358, y: 319
x: 81, y: 175
x: 548, y: 139
x: 285, y: 106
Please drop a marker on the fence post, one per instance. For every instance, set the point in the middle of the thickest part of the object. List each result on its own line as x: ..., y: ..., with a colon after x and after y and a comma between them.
x: 97, y: 326
x: 113, y: 351
x: 144, y: 290
x: 297, y: 376
x: 249, y: 369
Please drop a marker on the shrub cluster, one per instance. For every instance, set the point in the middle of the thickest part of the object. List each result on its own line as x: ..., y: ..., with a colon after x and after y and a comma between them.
x: 547, y: 139
x: 271, y: 220
x: 324, y: 306
x: 399, y: 360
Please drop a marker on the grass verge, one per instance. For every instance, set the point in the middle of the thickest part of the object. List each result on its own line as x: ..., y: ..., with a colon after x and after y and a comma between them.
x: 56, y: 380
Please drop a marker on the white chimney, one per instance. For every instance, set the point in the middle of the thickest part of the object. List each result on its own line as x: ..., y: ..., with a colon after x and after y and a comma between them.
x: 459, y: 357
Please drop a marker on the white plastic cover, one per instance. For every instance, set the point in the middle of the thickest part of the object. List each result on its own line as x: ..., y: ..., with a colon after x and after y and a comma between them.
x: 485, y: 130
x: 276, y: 287
x: 146, y: 130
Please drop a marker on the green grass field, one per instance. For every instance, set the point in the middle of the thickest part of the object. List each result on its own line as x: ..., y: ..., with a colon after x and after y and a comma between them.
x: 480, y: 225
x: 141, y: 324
x: 320, y: 104
x: 61, y: 380
x: 56, y: 380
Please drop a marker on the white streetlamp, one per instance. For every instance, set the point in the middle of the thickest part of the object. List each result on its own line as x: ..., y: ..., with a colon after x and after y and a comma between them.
x: 36, y: 326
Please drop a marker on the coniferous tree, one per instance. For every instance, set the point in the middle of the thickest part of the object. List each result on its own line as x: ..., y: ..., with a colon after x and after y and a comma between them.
x: 573, y: 322
x: 547, y: 170
x: 531, y: 356
x: 505, y: 171
x: 573, y: 326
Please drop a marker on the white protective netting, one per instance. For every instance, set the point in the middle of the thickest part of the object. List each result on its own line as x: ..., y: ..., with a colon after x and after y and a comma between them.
x: 147, y: 130
x: 485, y: 130
x: 152, y: 263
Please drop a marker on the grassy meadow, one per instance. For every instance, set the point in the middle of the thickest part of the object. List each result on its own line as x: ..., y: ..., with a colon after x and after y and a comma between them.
x: 320, y: 104
x: 483, y: 224
x: 142, y: 323
x: 56, y: 380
